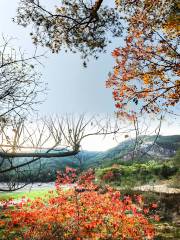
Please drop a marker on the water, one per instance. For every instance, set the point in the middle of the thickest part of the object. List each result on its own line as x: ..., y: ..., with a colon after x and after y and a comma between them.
x: 30, y: 187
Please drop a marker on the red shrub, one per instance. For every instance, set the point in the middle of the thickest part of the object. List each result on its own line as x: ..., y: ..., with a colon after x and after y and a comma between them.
x: 80, y: 212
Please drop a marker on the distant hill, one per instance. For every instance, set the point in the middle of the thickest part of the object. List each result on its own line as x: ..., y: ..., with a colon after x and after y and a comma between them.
x: 142, y: 149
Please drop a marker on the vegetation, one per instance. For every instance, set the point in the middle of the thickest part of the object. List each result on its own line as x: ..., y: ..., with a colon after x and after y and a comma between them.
x: 23, y: 220
x: 144, y: 79
x: 24, y: 194
x: 146, y: 71
x: 137, y: 173
x: 20, y: 82
x: 176, y: 178
x: 85, y: 159
x: 79, y: 213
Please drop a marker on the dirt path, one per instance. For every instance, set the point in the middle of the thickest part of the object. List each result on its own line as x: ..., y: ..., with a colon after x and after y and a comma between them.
x: 160, y: 188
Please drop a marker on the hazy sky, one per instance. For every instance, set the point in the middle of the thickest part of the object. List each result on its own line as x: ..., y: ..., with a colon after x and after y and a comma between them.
x: 72, y: 88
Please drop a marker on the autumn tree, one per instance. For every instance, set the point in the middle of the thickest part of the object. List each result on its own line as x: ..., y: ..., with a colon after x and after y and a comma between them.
x: 146, y: 74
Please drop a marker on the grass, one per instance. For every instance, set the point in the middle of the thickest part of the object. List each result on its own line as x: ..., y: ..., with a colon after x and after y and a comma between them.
x: 28, y: 194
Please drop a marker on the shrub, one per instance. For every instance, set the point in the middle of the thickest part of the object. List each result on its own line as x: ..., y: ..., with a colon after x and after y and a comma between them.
x: 80, y: 212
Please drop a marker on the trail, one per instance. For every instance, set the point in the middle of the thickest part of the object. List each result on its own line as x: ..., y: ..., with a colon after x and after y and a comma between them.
x: 160, y: 188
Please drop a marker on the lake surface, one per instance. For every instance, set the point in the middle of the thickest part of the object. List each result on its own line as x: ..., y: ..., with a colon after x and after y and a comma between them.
x: 37, y: 186
x: 30, y: 187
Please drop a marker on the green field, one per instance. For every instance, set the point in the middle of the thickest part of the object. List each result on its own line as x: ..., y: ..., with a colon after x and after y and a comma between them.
x: 28, y: 194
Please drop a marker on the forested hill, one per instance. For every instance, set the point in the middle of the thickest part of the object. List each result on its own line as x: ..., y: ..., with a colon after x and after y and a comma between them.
x: 142, y: 149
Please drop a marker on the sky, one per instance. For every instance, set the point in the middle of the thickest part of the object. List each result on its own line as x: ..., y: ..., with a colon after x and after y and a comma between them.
x: 72, y: 88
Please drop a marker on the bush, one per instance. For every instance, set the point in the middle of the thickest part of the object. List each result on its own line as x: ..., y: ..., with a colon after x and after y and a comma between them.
x: 81, y: 212
x: 137, y: 173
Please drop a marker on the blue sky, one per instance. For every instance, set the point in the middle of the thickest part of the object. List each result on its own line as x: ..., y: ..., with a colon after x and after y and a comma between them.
x: 72, y: 88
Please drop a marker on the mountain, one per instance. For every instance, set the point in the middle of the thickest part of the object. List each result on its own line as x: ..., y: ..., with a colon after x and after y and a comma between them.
x: 144, y: 148
x: 147, y: 148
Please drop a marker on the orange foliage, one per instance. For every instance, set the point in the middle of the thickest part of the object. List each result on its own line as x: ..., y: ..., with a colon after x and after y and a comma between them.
x: 146, y: 72
x: 81, y: 212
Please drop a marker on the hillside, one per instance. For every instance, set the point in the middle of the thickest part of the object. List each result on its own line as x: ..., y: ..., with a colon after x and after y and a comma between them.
x: 143, y: 149
x: 163, y: 148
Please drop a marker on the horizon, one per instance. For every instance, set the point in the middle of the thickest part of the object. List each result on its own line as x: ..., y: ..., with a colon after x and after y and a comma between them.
x: 107, y: 142
x: 91, y: 145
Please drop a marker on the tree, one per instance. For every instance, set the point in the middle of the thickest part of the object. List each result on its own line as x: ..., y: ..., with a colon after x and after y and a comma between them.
x: 75, y: 25
x: 20, y: 87
x: 26, y: 145
x: 24, y: 142
x: 20, y: 83
x: 20, y: 90
x: 146, y: 72
x: 147, y: 67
